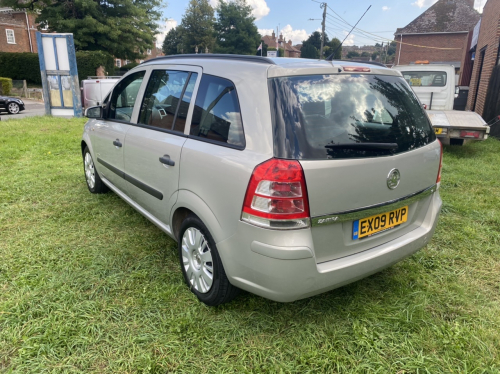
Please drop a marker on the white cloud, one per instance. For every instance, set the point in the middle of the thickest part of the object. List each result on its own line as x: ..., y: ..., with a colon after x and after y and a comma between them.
x: 164, y: 29
x: 264, y: 32
x: 349, y: 40
x: 297, y: 36
x: 479, y: 5
x: 423, y: 3
x: 385, y: 7
x: 260, y: 8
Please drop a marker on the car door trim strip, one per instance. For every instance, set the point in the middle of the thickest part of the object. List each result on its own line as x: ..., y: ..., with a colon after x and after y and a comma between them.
x: 132, y: 180
x: 353, y: 215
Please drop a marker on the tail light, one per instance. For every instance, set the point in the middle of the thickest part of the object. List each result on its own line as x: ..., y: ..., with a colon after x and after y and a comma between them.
x: 358, y: 69
x: 276, y: 196
x: 438, y: 180
x: 469, y: 134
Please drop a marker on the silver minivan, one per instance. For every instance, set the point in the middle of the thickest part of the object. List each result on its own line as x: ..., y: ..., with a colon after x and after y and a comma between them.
x: 283, y: 177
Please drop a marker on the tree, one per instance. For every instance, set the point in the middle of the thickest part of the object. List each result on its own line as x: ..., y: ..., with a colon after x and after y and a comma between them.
x: 172, y: 44
x: 198, y: 27
x: 375, y: 55
x: 333, y: 45
x: 124, y: 28
x: 352, y: 54
x: 235, y: 28
x: 315, y: 40
x: 365, y: 54
x: 309, y: 51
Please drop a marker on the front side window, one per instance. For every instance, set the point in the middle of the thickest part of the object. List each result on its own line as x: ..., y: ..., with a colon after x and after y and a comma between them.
x: 167, y: 99
x: 10, y: 36
x: 320, y: 117
x: 425, y: 78
x: 217, y: 114
x: 124, y: 96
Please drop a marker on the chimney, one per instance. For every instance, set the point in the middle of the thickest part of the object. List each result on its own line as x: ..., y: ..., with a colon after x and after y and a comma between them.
x: 470, y: 3
x: 274, y: 35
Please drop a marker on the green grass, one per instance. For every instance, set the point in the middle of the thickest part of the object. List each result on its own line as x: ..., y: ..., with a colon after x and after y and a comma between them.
x: 89, y: 285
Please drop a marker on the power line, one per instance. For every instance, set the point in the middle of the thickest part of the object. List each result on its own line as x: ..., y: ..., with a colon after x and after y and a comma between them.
x: 386, y: 39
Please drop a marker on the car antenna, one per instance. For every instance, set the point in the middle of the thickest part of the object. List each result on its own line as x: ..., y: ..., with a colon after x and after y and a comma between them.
x: 330, y: 58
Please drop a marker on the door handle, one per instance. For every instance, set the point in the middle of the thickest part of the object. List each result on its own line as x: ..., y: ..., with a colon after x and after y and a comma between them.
x: 117, y: 143
x: 165, y: 159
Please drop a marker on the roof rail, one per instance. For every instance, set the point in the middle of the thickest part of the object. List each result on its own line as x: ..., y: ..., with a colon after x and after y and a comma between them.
x: 363, y: 62
x: 248, y: 58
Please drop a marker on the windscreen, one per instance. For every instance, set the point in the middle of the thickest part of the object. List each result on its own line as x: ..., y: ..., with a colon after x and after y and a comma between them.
x: 345, y: 116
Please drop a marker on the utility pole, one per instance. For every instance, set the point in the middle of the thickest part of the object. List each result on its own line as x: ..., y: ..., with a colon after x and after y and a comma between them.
x: 323, y: 5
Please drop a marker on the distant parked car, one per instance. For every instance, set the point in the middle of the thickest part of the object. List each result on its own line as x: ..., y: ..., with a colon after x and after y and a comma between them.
x: 11, y: 104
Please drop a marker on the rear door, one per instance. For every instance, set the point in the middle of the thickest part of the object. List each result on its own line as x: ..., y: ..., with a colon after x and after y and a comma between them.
x: 107, y: 135
x: 154, y: 144
x: 363, y: 141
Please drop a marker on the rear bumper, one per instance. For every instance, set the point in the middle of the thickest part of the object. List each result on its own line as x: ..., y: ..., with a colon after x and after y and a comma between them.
x: 288, y: 272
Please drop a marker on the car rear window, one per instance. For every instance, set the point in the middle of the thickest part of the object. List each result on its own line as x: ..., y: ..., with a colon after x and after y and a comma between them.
x: 345, y: 116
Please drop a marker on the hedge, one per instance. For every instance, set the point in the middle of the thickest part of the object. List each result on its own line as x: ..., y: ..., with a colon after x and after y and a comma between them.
x: 20, y: 66
x: 88, y: 61
x: 5, y: 86
x: 26, y: 65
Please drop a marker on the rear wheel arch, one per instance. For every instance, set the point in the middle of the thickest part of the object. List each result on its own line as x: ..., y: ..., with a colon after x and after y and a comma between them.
x: 178, y: 217
x: 187, y: 203
x: 83, y: 144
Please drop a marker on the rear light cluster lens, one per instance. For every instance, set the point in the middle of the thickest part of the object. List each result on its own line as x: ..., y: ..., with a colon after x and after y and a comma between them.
x: 469, y: 134
x: 438, y: 180
x: 276, y: 196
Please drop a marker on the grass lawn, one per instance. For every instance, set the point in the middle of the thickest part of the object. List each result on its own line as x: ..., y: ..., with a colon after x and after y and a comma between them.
x: 89, y: 285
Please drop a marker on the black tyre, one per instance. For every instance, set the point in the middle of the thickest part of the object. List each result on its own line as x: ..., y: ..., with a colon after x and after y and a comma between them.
x: 13, y: 108
x: 201, y: 264
x: 94, y: 182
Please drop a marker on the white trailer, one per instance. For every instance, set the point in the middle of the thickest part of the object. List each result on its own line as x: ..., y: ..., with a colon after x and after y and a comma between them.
x: 435, y: 87
x: 95, y: 89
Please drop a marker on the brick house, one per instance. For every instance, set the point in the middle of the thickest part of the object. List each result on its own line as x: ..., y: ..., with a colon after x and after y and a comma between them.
x: 150, y: 53
x: 290, y: 50
x: 486, y: 56
x: 17, y: 31
x: 444, y: 25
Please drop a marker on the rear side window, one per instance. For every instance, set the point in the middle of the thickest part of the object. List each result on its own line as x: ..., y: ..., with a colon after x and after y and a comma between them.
x: 216, y: 115
x: 166, y: 93
x: 124, y: 96
x: 345, y: 116
x: 425, y: 78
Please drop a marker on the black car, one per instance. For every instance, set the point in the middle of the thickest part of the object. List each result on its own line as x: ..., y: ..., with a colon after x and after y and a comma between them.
x: 11, y: 104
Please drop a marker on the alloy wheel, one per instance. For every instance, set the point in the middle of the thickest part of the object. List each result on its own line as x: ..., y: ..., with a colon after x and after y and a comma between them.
x: 13, y: 108
x: 89, y: 170
x: 197, y: 260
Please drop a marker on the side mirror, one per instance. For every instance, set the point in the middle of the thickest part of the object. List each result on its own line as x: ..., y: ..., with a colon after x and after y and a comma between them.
x: 94, y: 112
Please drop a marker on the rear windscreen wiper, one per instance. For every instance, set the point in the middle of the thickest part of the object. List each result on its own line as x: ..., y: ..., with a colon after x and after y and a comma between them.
x: 387, y: 146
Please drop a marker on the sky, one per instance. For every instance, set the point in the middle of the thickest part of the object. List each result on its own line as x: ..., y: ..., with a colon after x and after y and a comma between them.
x: 292, y: 18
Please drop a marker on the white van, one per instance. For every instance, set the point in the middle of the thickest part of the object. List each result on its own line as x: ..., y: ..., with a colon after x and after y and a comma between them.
x: 95, y: 89
x: 435, y: 87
